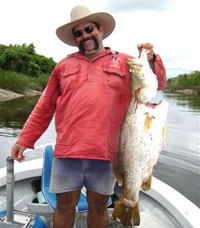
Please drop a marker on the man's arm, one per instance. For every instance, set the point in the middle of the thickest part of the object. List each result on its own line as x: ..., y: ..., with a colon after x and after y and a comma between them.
x: 39, y: 119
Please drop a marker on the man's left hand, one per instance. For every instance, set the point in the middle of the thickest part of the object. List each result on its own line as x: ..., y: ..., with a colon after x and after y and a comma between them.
x: 149, y: 47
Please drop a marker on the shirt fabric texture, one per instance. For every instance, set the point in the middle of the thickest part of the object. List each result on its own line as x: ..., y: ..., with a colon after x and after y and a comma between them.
x: 90, y: 99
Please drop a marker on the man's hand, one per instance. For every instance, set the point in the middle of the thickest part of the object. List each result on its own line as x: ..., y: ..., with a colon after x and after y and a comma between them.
x: 149, y: 47
x: 150, y: 54
x: 17, y: 152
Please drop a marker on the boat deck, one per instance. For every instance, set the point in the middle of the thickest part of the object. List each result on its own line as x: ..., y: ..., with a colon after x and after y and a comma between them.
x: 147, y: 220
x: 161, y: 207
x: 152, y: 213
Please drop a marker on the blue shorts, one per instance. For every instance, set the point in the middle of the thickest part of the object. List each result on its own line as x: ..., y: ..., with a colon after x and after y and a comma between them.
x: 69, y: 174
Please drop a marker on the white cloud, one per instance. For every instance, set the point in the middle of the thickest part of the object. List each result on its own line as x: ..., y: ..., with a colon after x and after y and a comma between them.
x: 172, y: 26
x: 135, y: 5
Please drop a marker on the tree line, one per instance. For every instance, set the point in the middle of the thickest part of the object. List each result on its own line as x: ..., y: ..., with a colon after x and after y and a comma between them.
x: 185, y: 81
x: 21, y: 68
x: 23, y: 59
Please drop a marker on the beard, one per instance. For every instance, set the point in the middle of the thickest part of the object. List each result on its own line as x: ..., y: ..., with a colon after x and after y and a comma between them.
x: 81, y: 45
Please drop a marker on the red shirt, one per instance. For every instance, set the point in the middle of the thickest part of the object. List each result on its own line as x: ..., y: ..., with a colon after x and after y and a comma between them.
x: 90, y: 99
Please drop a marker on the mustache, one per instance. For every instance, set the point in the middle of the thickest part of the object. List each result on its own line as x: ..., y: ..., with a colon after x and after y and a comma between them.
x: 81, y: 45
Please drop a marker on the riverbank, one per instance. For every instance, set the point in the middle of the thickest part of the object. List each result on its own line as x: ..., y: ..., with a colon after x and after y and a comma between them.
x: 188, y: 84
x: 6, y: 95
x: 184, y: 91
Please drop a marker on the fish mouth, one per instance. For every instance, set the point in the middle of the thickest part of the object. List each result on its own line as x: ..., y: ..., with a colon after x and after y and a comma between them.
x: 133, y: 63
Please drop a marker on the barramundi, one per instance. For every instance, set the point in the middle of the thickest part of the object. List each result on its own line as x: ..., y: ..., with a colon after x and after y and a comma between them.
x: 141, y: 139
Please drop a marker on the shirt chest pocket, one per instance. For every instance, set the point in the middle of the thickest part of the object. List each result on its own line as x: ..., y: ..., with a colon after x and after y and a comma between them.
x: 70, y: 78
x: 115, y: 77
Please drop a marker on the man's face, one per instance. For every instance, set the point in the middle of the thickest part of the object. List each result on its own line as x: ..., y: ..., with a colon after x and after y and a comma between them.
x: 89, y: 38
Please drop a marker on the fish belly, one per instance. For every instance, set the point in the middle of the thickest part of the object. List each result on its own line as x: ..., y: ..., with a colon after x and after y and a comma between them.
x: 141, y: 140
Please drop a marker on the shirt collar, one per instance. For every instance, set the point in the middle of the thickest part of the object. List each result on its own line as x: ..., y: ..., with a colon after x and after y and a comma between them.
x: 80, y: 56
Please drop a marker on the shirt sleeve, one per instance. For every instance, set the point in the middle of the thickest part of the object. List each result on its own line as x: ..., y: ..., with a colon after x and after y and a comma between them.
x: 42, y: 114
x: 160, y: 72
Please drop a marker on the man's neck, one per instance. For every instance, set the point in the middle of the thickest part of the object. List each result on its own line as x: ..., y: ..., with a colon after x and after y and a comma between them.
x: 93, y: 55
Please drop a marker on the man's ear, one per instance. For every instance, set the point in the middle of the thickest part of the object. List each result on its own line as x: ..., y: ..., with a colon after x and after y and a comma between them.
x: 101, y: 30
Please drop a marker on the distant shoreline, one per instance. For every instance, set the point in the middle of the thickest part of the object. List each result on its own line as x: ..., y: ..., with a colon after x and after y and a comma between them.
x: 184, y: 91
x: 6, y: 95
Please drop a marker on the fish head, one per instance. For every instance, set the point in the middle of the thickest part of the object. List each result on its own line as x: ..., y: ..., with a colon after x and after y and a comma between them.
x: 142, y: 77
x: 138, y: 66
x: 135, y: 67
x: 136, y: 74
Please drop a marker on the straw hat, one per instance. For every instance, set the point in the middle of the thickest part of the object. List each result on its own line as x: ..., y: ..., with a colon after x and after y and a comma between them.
x: 81, y: 14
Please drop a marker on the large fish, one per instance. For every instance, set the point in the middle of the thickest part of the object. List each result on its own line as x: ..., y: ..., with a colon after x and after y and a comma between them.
x: 141, y: 140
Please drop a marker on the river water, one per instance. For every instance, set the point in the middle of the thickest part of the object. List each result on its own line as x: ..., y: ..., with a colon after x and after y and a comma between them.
x: 179, y: 161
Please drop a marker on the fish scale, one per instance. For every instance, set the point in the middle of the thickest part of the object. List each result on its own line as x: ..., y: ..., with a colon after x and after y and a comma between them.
x: 141, y: 140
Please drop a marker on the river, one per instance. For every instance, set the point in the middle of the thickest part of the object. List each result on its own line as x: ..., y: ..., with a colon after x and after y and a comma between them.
x: 179, y: 161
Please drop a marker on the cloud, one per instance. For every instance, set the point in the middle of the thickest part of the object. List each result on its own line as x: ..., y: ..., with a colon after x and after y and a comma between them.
x: 135, y: 5
x: 172, y: 26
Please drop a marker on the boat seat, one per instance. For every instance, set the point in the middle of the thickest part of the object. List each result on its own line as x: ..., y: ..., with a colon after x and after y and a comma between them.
x: 45, y: 183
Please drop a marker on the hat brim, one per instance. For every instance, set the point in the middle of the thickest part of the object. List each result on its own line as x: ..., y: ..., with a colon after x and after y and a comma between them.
x: 106, y: 20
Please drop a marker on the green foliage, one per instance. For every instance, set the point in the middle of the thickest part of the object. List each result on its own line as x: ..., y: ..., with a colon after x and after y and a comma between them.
x: 185, y: 81
x: 19, y: 83
x: 24, y: 60
x: 9, y: 80
x: 39, y: 82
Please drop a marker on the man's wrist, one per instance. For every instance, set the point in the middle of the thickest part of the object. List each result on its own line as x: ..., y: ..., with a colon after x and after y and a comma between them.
x: 151, y: 63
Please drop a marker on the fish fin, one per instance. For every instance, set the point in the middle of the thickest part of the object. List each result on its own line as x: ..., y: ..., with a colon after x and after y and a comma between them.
x: 147, y: 123
x: 137, y: 92
x: 147, y: 184
x: 127, y: 216
x: 164, y: 134
x: 117, y: 174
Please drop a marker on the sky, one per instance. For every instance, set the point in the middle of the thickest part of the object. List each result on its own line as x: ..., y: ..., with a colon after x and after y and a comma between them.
x: 172, y: 26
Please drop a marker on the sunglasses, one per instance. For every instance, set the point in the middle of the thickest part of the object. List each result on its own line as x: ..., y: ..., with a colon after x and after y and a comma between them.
x: 79, y: 33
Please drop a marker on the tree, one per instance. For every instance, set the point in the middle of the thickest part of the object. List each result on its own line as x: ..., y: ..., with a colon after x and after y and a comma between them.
x: 23, y: 59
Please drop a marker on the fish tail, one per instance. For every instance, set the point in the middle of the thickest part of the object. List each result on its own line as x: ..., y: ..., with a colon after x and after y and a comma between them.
x: 127, y: 216
x: 147, y: 184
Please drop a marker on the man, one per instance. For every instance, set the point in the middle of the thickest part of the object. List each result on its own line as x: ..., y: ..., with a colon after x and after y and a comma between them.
x: 89, y: 92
